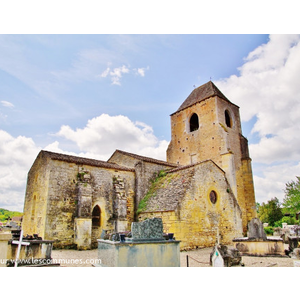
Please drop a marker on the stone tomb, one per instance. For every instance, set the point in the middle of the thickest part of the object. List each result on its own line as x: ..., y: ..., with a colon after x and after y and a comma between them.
x: 257, y: 243
x: 33, y: 252
x: 146, y: 248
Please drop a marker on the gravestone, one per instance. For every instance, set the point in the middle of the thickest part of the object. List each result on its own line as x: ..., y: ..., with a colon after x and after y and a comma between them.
x: 150, y: 229
x: 256, y: 230
x: 222, y: 256
x: 294, y: 242
x: 216, y: 258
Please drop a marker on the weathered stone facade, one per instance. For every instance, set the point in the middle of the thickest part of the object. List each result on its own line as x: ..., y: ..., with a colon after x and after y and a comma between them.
x: 62, y: 189
x: 186, y: 207
x: 206, y: 184
x: 207, y: 126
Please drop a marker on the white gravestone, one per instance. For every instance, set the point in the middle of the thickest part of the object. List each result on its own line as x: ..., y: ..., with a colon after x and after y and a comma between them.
x: 217, y: 259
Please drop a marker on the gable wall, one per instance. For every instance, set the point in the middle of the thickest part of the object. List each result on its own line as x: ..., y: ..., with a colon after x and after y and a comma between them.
x: 145, y: 172
x: 59, y: 192
x: 195, y: 220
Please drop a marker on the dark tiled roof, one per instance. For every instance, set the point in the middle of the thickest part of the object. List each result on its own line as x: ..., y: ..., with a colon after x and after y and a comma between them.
x: 193, y: 165
x: 201, y: 93
x: 144, y: 158
x: 84, y: 161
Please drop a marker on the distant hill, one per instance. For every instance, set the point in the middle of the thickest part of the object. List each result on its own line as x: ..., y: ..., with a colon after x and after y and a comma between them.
x: 5, y: 214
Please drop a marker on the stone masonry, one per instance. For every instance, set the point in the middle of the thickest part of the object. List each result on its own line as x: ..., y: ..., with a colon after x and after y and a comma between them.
x: 205, y: 186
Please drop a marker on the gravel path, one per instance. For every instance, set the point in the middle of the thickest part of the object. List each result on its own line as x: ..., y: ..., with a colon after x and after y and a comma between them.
x: 197, y: 258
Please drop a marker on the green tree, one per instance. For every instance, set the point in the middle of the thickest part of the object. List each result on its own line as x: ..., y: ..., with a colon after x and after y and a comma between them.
x: 270, y: 212
x: 291, y: 201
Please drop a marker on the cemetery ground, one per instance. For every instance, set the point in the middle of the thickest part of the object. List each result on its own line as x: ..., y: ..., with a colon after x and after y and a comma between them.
x: 197, y: 258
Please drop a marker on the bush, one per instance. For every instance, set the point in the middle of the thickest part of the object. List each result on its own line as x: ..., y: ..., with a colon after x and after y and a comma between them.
x: 269, y: 230
x: 290, y: 220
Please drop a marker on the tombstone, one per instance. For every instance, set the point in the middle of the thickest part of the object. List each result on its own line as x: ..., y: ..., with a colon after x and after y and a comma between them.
x: 222, y: 256
x: 216, y: 258
x: 256, y: 230
x: 146, y: 248
x: 277, y: 231
x: 17, y: 250
x: 150, y: 229
x: 294, y: 242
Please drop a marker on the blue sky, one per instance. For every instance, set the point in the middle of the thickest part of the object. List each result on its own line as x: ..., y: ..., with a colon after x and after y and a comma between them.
x: 91, y: 94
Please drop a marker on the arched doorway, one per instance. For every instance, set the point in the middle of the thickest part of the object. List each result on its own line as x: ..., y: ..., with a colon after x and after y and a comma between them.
x: 96, y: 225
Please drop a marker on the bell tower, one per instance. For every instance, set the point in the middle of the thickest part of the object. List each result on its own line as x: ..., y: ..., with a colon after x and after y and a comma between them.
x: 207, y: 126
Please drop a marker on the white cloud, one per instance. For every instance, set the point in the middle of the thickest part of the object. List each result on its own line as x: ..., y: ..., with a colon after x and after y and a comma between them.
x: 141, y: 71
x: 272, y: 182
x: 105, y: 73
x: 116, y: 74
x: 104, y: 134
x: 268, y: 89
x: 7, y: 104
x: 16, y: 157
x: 98, y: 140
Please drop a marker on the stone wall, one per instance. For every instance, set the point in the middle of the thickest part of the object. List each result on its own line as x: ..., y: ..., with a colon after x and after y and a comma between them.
x: 63, y: 191
x: 218, y: 140
x: 35, y: 205
x: 188, y: 211
x: 145, y: 168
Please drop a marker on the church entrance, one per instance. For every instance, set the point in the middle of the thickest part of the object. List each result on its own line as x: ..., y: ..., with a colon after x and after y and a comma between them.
x: 96, y: 225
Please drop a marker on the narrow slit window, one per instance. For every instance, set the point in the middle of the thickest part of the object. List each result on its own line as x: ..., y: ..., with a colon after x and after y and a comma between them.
x: 228, y: 119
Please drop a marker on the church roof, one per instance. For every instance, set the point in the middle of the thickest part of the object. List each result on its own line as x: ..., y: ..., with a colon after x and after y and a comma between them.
x: 84, y: 161
x: 201, y: 93
x: 179, y: 168
x: 161, y: 196
x: 144, y: 158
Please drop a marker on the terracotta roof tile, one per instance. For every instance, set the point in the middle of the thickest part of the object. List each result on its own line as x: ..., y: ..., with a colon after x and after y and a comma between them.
x: 84, y: 161
x: 145, y: 158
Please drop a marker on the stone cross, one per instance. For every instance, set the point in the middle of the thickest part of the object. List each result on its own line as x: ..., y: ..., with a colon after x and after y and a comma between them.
x: 20, y: 244
x: 218, y: 236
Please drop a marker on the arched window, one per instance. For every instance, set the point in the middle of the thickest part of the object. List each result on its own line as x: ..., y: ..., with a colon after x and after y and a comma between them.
x: 96, y: 216
x: 228, y: 120
x: 194, y: 122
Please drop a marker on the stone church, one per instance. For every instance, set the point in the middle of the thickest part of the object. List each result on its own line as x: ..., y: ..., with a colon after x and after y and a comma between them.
x: 205, y: 186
